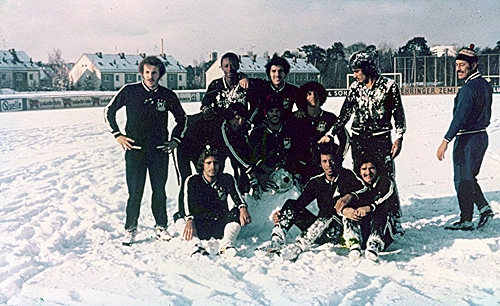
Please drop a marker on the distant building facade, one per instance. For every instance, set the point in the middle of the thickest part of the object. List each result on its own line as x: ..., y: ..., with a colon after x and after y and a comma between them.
x: 100, y: 71
x: 301, y: 71
x: 444, y: 51
x: 17, y: 71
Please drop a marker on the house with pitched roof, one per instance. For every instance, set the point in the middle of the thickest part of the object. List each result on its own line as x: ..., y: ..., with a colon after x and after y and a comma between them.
x: 17, y: 71
x: 301, y: 71
x: 100, y: 71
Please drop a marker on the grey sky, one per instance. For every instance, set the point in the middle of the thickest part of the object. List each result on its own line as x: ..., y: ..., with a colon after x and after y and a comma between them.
x: 191, y: 29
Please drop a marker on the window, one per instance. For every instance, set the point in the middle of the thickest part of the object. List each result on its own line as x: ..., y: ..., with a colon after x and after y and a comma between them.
x: 117, y: 78
x: 180, y: 77
x: 4, y: 76
x: 31, y: 77
x: 171, y: 78
x: 139, y: 78
x: 105, y: 78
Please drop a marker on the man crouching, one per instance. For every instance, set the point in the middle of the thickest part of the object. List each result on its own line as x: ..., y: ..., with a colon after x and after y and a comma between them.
x: 204, y: 200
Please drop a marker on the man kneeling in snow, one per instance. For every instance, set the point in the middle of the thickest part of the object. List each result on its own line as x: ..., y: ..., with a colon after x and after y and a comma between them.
x: 326, y: 189
x: 204, y: 200
x: 366, y: 218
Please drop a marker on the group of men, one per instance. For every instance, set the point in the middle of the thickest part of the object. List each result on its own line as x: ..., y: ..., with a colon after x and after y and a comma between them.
x: 266, y: 127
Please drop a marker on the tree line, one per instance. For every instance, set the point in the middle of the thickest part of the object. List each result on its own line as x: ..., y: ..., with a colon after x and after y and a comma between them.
x: 414, y: 61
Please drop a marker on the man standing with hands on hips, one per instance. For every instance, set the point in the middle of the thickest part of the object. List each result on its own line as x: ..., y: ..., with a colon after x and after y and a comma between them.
x: 471, y: 117
x: 146, y: 141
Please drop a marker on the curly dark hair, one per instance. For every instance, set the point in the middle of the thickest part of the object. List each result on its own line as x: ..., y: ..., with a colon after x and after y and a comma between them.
x: 277, y: 61
x: 311, y: 86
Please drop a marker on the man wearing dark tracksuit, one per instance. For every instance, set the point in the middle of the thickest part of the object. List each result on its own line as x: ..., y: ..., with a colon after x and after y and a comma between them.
x: 146, y: 140
x: 471, y: 117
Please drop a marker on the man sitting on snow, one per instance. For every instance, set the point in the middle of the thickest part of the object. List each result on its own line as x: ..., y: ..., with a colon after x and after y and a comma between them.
x: 205, y: 204
x: 326, y: 189
x: 367, y: 222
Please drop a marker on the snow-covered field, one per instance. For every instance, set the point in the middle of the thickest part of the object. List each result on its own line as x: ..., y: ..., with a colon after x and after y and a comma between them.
x: 63, y: 194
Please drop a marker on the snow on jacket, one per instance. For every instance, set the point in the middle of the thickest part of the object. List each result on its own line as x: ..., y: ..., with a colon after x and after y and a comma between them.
x: 373, y: 108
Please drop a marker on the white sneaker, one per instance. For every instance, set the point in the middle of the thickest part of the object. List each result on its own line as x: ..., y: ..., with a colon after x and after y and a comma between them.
x: 162, y: 234
x: 291, y: 252
x: 129, y: 238
x: 371, y: 255
x: 355, y: 255
x: 227, y: 251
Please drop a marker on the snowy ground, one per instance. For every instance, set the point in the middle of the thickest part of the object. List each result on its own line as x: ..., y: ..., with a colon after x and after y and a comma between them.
x: 63, y: 197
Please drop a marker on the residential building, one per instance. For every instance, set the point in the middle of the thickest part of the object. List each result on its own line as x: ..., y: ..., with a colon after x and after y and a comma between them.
x: 111, y: 71
x: 17, y: 71
x: 301, y: 71
x: 444, y: 50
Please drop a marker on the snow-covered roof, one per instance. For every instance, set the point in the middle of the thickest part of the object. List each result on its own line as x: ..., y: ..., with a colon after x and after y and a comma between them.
x: 128, y: 63
x: 16, y: 60
x: 249, y: 64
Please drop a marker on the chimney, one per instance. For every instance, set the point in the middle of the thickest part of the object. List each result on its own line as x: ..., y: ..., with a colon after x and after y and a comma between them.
x: 99, y: 54
x: 254, y: 57
x: 143, y: 55
x: 122, y: 55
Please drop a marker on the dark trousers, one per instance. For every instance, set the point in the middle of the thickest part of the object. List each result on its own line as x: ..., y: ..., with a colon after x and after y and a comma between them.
x: 468, y: 154
x: 374, y: 148
x: 213, y: 226
x: 137, y: 164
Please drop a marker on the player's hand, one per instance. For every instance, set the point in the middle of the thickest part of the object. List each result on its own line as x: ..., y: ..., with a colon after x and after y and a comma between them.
x: 125, y: 142
x: 363, y: 211
x: 342, y: 202
x: 189, y: 230
x: 208, y: 113
x: 277, y: 217
x: 350, y: 213
x: 168, y: 146
x: 245, y: 217
x: 324, y: 139
x: 442, y: 149
x: 396, y: 147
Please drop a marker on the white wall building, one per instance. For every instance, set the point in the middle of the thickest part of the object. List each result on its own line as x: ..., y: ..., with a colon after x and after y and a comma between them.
x: 111, y: 71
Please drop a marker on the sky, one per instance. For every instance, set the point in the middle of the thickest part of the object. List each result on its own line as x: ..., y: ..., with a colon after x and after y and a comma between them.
x: 189, y: 30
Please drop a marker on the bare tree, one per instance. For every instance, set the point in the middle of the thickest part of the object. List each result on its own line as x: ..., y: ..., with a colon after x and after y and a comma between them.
x: 61, y: 80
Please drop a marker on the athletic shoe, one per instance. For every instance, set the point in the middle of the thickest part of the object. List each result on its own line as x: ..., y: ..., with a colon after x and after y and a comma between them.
x: 162, y: 234
x: 485, y: 216
x: 130, y: 235
x: 371, y: 255
x: 355, y: 255
x: 460, y: 225
x: 290, y: 252
x: 199, y: 250
x: 278, y: 236
x: 227, y: 251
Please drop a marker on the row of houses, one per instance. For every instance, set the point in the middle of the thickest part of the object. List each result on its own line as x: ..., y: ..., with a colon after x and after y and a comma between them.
x: 112, y: 71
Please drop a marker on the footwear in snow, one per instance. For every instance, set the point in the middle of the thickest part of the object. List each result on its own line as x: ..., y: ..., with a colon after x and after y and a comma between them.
x: 278, y: 236
x: 291, y: 252
x: 162, y: 234
x: 130, y: 236
x: 485, y: 217
x: 460, y: 225
x: 355, y: 255
x: 199, y: 250
x: 227, y: 251
x: 371, y: 255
